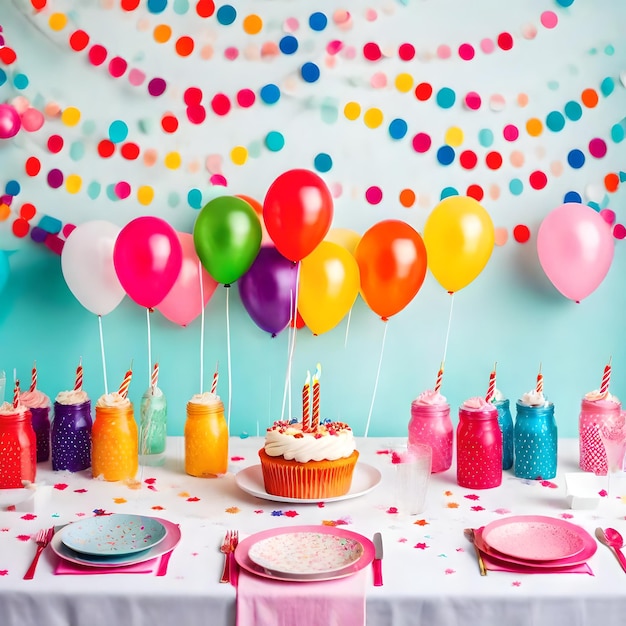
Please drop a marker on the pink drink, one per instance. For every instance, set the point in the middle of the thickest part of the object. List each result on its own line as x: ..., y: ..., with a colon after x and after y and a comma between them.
x: 431, y: 425
x: 478, y: 445
x: 594, y: 413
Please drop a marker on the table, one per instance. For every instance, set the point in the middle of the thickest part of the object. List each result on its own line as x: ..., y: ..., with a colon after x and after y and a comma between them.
x: 430, y: 570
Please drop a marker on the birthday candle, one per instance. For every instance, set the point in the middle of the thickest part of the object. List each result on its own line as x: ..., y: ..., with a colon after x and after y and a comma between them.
x: 491, y: 389
x: 306, y: 403
x: 154, y: 379
x: 315, y: 419
x: 606, y: 379
x: 539, y: 387
x: 78, y: 383
x: 123, y: 390
x: 439, y: 378
x: 16, y: 394
x: 33, y: 377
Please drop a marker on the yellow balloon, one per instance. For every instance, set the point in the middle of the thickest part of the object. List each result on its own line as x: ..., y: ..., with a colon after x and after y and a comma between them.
x: 459, y: 237
x: 346, y: 238
x: 329, y: 285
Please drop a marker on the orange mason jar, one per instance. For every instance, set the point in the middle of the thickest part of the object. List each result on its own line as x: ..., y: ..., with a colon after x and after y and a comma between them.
x: 206, y: 437
x: 114, y: 443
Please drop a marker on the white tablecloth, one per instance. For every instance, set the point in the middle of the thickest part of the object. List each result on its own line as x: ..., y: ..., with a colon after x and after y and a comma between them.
x: 430, y: 570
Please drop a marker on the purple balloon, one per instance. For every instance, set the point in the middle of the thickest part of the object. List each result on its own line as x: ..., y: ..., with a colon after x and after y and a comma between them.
x: 10, y: 122
x: 268, y: 290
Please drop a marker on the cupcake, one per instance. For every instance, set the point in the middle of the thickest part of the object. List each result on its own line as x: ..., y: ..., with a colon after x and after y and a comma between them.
x: 308, y: 465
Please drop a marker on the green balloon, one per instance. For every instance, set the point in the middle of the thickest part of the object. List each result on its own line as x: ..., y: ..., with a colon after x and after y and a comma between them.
x: 227, y: 238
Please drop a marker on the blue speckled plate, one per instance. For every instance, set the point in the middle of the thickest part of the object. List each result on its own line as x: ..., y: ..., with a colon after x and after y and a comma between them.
x: 114, y: 535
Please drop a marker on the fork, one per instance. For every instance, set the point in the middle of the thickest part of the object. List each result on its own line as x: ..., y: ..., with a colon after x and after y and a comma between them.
x: 234, y: 572
x: 43, y: 539
x: 226, y: 548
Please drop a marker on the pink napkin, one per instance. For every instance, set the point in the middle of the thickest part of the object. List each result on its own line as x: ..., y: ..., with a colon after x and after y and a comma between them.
x: 66, y: 567
x: 265, y: 602
x: 495, y: 564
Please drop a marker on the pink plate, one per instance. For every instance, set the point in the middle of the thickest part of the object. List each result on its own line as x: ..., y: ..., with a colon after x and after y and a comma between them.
x: 534, y: 537
x: 169, y: 543
x: 242, y: 553
x: 588, y: 550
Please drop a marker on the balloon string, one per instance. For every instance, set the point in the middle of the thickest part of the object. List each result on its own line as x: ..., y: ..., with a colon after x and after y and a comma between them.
x: 201, y: 326
x: 380, y: 361
x: 291, y: 344
x: 230, y: 378
x: 149, y: 346
x: 345, y: 341
x: 445, y: 347
x: 104, y: 363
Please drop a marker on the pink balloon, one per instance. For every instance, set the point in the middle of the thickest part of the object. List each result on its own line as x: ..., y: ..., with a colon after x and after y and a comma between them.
x: 32, y: 120
x: 575, y: 248
x: 148, y: 257
x: 184, y: 302
x: 10, y: 123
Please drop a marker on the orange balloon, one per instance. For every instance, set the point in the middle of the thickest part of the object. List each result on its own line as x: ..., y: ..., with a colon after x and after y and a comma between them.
x: 392, y: 263
x: 266, y: 240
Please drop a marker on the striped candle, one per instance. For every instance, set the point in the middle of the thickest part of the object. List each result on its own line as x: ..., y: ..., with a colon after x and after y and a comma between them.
x: 33, y: 377
x: 491, y: 389
x: 539, y: 386
x: 78, y: 382
x: 154, y: 379
x: 439, y: 378
x: 306, y: 403
x: 216, y: 377
x: 606, y: 379
x: 16, y: 394
x: 315, y: 417
x: 123, y: 390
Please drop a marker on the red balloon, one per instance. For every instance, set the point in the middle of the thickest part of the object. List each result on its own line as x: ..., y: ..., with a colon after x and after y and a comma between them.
x: 147, y: 257
x: 297, y: 211
x: 392, y: 262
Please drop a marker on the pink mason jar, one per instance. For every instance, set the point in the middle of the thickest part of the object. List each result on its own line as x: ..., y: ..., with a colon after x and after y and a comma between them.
x: 593, y: 413
x: 478, y: 446
x: 431, y: 425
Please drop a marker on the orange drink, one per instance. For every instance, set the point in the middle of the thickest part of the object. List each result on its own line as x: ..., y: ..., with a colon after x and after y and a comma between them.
x: 114, y: 446
x: 206, y: 437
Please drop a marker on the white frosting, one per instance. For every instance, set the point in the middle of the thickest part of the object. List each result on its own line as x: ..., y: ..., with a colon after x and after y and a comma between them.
x: 534, y: 398
x: 113, y: 401
x: 206, y: 399
x: 498, y: 396
x: 6, y: 408
x: 478, y: 403
x: 430, y: 397
x: 153, y: 391
x: 332, y: 441
x: 34, y: 399
x: 74, y: 396
x: 595, y: 395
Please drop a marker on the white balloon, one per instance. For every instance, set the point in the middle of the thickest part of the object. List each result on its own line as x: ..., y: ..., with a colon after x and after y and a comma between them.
x: 88, y: 269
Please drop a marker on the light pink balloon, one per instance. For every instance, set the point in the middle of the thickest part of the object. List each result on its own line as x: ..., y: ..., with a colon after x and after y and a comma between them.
x: 87, y: 266
x: 183, y: 303
x: 32, y: 120
x: 575, y: 248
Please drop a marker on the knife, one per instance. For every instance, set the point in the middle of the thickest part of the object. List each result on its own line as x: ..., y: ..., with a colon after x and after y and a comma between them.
x: 377, y: 564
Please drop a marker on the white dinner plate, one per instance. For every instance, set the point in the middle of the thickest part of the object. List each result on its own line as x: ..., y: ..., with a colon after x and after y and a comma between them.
x: 113, y: 535
x: 243, y: 558
x: 305, y: 552
x: 365, y: 478
x: 171, y: 540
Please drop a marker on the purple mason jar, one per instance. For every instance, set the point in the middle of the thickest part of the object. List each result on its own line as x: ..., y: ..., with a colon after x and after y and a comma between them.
x: 38, y: 404
x: 71, y: 436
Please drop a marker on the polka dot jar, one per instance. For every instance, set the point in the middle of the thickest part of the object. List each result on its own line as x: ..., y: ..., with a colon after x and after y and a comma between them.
x: 18, y: 450
x: 70, y: 436
x: 535, y: 437
x: 478, y: 448
x: 593, y: 413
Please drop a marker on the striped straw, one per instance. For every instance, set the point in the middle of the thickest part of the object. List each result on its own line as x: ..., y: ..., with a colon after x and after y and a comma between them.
x: 215, y: 379
x: 439, y: 378
x: 154, y: 379
x: 16, y: 394
x: 123, y: 390
x: 491, y: 389
x: 539, y: 386
x: 606, y: 379
x: 33, y: 377
x: 78, y: 383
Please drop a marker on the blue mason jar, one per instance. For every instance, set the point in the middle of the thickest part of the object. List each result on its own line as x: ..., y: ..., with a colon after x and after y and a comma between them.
x: 535, y: 435
x: 506, y: 426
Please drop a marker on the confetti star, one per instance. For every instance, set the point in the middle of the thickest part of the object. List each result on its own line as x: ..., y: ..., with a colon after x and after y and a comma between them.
x: 420, y: 546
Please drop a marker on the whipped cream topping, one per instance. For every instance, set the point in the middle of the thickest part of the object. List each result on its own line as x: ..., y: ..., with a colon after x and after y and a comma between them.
x: 112, y: 401
x: 477, y: 403
x: 6, y: 408
x: 155, y: 392
x: 74, y: 396
x: 595, y: 396
x: 534, y: 398
x: 206, y: 399
x: 430, y: 397
x: 34, y: 399
x: 498, y: 396
x: 332, y: 441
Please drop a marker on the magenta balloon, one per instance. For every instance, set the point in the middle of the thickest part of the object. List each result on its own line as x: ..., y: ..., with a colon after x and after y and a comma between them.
x: 268, y: 290
x: 10, y: 123
x: 575, y: 248
x: 148, y: 257
x: 185, y: 301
